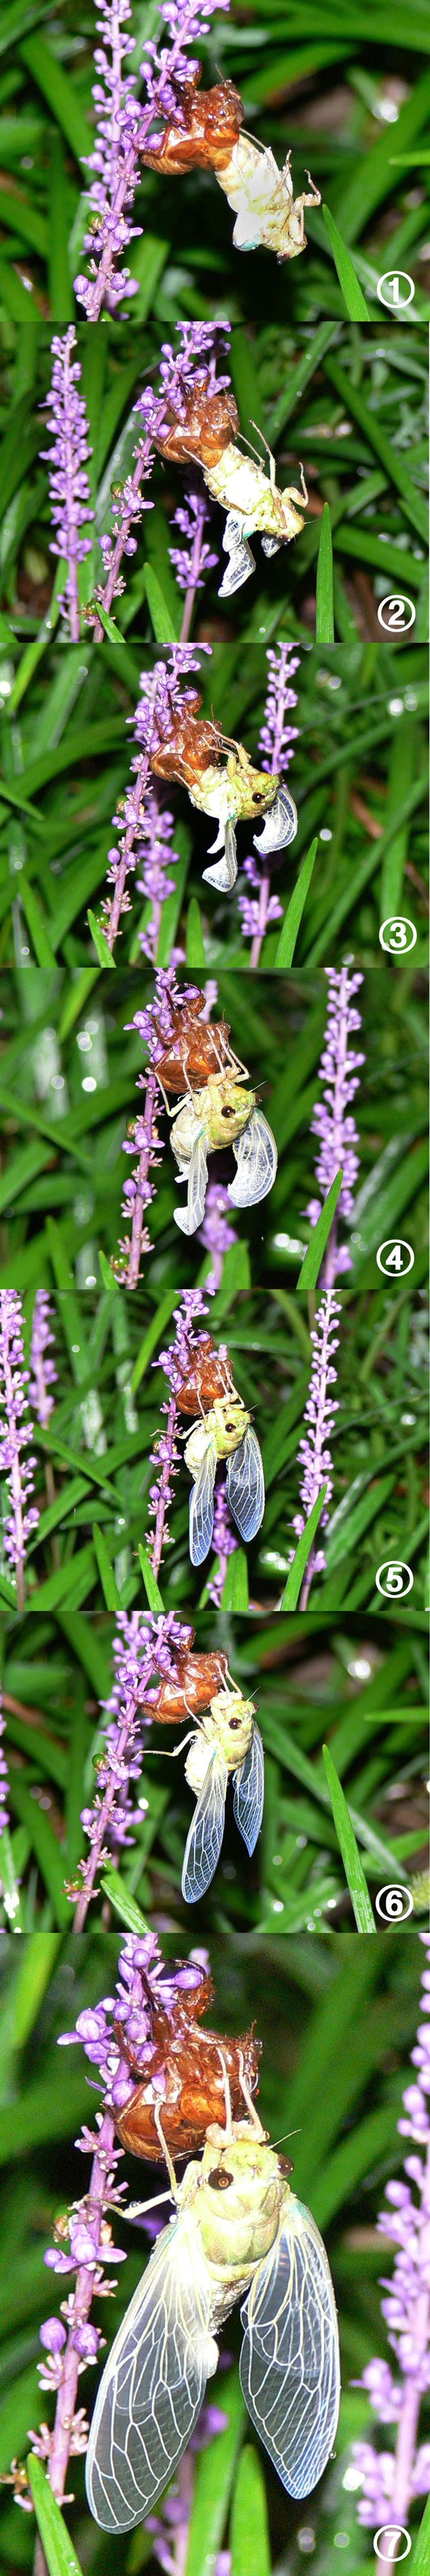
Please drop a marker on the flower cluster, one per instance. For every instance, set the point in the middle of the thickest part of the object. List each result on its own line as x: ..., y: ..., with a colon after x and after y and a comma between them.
x: 193, y: 560
x: 332, y: 1122
x: 128, y: 502
x: 144, y: 826
x: 42, y: 1365
x: 166, y: 1455
x: 154, y: 1027
x: 320, y: 1413
x: 68, y: 480
x: 166, y: 71
x: 15, y: 1435
x: 143, y: 1648
x: 114, y: 162
x: 276, y: 744
x: 183, y: 370
x: 392, y: 2478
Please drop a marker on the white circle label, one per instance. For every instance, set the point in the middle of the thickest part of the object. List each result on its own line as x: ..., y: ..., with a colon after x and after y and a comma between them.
x: 394, y: 1257
x: 393, y: 1904
x: 394, y: 1579
x: 392, y: 613
x: 398, y: 934
x: 388, y: 2535
x: 395, y: 289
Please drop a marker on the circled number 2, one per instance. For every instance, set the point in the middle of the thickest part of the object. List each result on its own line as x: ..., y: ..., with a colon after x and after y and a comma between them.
x: 396, y: 613
x: 395, y: 1256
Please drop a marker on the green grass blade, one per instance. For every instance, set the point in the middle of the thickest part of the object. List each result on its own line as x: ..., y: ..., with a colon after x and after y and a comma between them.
x: 293, y: 1587
x: 124, y: 1905
x: 9, y: 1884
x: 292, y: 918
x: 107, y: 1578
x: 161, y: 619
x: 348, y: 280
x: 195, y: 941
x: 353, y: 1866
x: 59, y: 2552
x: 103, y: 952
x: 250, y: 2543
x: 235, y: 1592
x: 421, y: 2556
x: 314, y: 1254
x: 60, y: 95
x: 325, y: 603
x: 153, y: 1594
x: 214, y: 2475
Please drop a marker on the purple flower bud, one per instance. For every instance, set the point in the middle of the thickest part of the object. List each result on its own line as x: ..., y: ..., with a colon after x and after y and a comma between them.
x: 53, y: 2335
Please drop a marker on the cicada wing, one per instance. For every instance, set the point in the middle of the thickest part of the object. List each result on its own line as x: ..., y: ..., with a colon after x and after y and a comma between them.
x: 241, y: 561
x: 280, y: 824
x: 248, y: 1801
x: 202, y: 1508
x: 224, y: 876
x: 202, y: 1849
x: 245, y: 1485
x: 153, y: 2384
x: 257, y: 1162
x: 271, y: 545
x: 289, y: 2364
x: 189, y: 1217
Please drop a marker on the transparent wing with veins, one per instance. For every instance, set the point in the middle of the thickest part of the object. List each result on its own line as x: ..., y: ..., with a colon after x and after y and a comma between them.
x: 191, y: 1216
x: 224, y: 875
x: 248, y: 1801
x: 245, y: 1485
x: 289, y: 2365
x: 280, y: 825
x: 202, y: 1507
x: 153, y: 2384
x: 203, y: 1846
x: 257, y: 1162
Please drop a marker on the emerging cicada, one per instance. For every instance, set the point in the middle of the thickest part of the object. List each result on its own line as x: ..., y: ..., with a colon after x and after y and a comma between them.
x: 183, y: 2076
x: 238, y: 2233
x: 224, y: 1431
x: 192, y: 752
x: 189, y: 1689
x: 219, y: 1114
x: 227, y: 1741
x: 206, y: 134
x: 206, y: 436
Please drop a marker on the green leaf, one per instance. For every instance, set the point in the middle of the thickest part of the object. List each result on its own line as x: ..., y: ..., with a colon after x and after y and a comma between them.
x: 110, y: 627
x: 195, y: 941
x: 298, y: 1568
x: 60, y: 94
x: 44, y: 1843
x: 249, y: 2534
x: 420, y: 2560
x: 325, y: 604
x: 107, y: 1577
x: 108, y: 1275
x: 348, y: 280
x: 164, y: 629
x: 59, y: 2552
x: 214, y: 2476
x: 153, y: 1335
x: 291, y: 923
x: 353, y: 1866
x: 124, y: 1904
x: 100, y: 941
x: 314, y: 1254
x: 235, y: 1591
x: 151, y: 1587
x: 36, y: 1964
x: 9, y: 1884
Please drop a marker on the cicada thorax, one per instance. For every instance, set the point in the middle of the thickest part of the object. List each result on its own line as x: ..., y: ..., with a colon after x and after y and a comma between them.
x: 190, y: 1689
x: 208, y: 1379
x: 185, y: 2081
x: 209, y: 422
x: 188, y: 748
x: 203, y: 134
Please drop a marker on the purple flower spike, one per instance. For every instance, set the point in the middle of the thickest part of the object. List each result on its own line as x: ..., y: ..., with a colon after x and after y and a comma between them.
x: 166, y: 1455
x: 15, y: 1434
x: 44, y: 1373
x: 320, y: 1413
x: 339, y: 1071
x: 115, y: 164
x: 68, y: 480
x: 143, y: 1648
x: 194, y: 560
x: 276, y: 745
x: 390, y: 2479
x: 217, y: 1233
x: 165, y: 72
x: 224, y: 1543
x: 143, y: 824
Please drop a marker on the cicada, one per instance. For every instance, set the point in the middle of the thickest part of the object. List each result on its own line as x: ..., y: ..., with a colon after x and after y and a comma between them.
x: 222, y: 1114
x: 226, y: 1741
x: 225, y: 1432
x: 181, y: 2079
x: 206, y: 436
x: 205, y: 134
x: 238, y: 2233
x: 191, y: 751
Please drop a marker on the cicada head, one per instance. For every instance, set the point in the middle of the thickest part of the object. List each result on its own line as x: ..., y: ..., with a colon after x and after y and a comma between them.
x: 228, y: 1421
x: 233, y: 1720
x: 255, y: 790
x: 208, y: 1377
x: 227, y: 1112
x: 189, y: 1690
x: 242, y: 2192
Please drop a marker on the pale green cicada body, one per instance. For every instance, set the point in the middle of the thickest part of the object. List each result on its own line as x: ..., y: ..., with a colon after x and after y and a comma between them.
x: 221, y: 1114
x: 254, y: 504
x: 262, y: 198
x: 238, y: 2233
x: 238, y: 794
x: 226, y: 1742
x: 225, y: 1432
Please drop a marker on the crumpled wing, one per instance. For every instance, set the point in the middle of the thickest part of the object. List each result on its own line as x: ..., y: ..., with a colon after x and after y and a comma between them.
x: 190, y: 1216
x: 224, y: 876
x: 202, y: 1507
x: 257, y: 1162
x: 152, y: 2387
x: 241, y: 562
x: 245, y: 1485
x: 289, y: 2365
x: 202, y: 1849
x: 248, y: 1801
x: 271, y: 545
x: 280, y: 824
